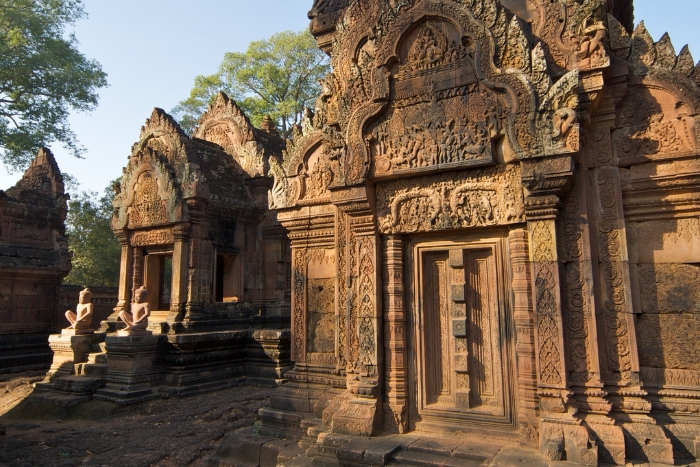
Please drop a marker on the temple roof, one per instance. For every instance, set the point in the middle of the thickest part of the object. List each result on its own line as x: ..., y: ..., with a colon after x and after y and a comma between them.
x: 41, y: 184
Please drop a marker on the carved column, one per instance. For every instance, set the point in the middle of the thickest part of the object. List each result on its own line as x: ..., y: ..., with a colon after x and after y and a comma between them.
x: 525, y: 339
x: 395, y: 372
x: 360, y: 414
x: 125, y: 276
x: 137, y: 273
x: 179, y: 286
x: 199, y: 262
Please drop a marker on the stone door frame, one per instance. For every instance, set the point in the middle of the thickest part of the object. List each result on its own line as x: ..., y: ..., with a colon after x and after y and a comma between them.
x: 497, y: 240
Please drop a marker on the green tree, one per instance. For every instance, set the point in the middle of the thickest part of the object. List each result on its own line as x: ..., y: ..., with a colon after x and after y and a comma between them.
x: 96, y: 250
x: 43, y: 77
x: 278, y: 76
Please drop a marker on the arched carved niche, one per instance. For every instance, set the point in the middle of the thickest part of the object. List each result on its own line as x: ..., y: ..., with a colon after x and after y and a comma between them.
x: 655, y: 121
x: 149, y: 193
x: 378, y: 79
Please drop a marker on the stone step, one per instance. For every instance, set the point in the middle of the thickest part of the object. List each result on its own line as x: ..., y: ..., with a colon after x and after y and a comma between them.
x: 95, y: 370
x: 80, y: 385
x: 57, y: 398
x: 424, y: 459
x: 126, y: 397
x: 98, y: 357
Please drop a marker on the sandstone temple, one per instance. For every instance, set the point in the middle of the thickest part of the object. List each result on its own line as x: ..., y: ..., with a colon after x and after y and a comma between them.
x: 489, y: 225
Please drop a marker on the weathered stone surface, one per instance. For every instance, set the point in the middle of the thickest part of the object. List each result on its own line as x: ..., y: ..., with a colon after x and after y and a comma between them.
x: 34, y: 259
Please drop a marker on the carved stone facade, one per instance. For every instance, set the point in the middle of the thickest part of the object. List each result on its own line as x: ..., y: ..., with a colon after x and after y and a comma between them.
x: 493, y: 216
x: 34, y: 259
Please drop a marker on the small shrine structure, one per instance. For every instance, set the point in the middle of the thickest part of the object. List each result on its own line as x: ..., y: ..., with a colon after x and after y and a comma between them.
x: 34, y: 259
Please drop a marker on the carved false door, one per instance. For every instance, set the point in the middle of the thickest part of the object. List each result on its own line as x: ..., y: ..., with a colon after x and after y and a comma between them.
x: 461, y: 335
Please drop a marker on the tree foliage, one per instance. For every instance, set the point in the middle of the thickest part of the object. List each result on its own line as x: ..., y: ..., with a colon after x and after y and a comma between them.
x: 42, y: 77
x: 278, y: 76
x: 96, y: 250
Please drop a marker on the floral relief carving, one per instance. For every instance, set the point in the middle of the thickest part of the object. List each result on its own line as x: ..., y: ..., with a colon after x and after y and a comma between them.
x: 367, y: 302
x: 299, y: 304
x: 544, y: 268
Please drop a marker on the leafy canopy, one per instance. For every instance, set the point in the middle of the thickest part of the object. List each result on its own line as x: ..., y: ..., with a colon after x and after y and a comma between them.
x: 278, y: 76
x: 42, y: 77
x: 96, y: 250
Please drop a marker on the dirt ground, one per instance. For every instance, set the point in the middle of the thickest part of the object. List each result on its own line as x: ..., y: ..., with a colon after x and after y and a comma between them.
x: 163, y: 432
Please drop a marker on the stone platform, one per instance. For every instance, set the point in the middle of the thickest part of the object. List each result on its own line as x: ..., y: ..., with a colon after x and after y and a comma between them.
x: 247, y: 447
x: 128, y: 369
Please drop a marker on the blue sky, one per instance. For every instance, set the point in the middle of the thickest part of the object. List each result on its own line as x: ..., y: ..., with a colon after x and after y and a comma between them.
x: 153, y: 49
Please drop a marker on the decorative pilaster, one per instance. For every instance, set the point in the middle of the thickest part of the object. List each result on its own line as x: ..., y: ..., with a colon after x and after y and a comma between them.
x: 525, y: 339
x: 395, y: 371
x: 546, y: 180
x: 359, y: 414
x: 178, y: 299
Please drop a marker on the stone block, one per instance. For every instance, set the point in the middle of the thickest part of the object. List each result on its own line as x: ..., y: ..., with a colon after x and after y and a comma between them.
x: 67, y: 351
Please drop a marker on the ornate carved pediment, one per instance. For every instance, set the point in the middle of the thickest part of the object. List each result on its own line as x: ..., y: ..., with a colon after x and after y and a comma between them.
x: 149, y: 195
x: 225, y: 124
x: 162, y: 134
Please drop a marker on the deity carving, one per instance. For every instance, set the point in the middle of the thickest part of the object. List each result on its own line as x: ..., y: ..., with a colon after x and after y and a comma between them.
x: 81, y: 318
x: 137, y: 320
x: 147, y: 208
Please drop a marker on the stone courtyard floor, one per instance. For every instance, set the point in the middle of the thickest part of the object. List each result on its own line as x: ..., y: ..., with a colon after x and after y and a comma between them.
x: 171, y: 432
x: 162, y: 432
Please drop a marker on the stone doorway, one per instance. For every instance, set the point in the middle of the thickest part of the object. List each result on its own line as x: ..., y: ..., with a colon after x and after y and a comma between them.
x: 461, y: 336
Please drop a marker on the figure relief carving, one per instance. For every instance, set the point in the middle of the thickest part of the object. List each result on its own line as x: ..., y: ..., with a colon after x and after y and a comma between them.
x: 441, y: 116
x: 592, y: 32
x: 316, y: 174
x: 574, y: 33
x: 481, y: 197
x: 147, y: 208
x: 559, y: 114
x: 652, y: 122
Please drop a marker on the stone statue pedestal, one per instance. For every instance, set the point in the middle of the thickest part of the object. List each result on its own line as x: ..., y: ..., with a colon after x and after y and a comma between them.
x: 68, y: 349
x: 77, y: 332
x: 133, y: 371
